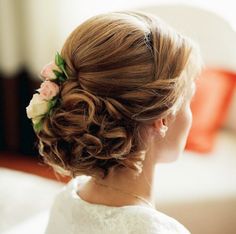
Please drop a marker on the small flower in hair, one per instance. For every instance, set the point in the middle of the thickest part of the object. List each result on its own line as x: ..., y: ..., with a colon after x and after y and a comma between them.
x: 48, y: 90
x: 37, y: 108
x: 42, y: 102
x: 48, y: 72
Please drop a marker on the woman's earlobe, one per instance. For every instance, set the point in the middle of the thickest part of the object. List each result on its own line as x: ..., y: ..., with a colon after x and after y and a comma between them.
x: 161, y: 127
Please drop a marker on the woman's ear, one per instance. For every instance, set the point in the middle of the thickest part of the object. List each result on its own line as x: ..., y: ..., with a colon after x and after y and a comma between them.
x: 160, y: 126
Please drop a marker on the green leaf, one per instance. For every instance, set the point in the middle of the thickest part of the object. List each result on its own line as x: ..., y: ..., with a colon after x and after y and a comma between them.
x: 59, y: 60
x: 61, y: 78
x: 62, y: 67
x: 57, y: 73
x: 52, y: 103
x: 37, y: 127
x: 60, y: 63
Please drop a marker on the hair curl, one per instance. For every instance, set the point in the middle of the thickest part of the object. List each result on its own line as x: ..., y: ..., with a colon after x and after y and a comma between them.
x: 125, y: 69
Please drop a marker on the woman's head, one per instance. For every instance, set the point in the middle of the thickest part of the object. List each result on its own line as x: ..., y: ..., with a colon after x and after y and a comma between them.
x: 127, y: 71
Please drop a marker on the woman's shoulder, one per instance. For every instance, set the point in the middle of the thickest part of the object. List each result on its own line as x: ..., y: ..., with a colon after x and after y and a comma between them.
x: 155, y: 222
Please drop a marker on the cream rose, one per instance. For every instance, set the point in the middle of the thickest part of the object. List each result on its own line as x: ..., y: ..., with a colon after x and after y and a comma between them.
x: 48, y: 90
x: 37, y: 108
x: 47, y: 71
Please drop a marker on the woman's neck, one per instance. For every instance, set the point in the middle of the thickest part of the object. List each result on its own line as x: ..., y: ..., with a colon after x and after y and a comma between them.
x: 124, y: 180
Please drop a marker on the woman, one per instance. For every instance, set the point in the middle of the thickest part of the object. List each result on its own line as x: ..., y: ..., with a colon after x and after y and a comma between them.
x: 119, y: 103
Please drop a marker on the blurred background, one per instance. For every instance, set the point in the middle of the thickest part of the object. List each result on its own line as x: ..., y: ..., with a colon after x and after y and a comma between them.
x: 199, y: 189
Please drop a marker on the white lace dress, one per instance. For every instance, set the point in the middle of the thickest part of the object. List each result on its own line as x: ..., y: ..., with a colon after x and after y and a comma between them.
x: 70, y: 214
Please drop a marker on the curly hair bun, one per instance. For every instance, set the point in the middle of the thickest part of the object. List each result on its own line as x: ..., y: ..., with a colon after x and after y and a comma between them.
x: 125, y: 68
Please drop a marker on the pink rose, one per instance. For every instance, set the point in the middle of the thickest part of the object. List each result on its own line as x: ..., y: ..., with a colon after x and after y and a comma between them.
x: 47, y: 72
x: 48, y: 90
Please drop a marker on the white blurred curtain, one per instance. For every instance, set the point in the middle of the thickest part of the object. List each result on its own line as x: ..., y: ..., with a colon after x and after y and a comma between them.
x: 9, y: 36
x: 29, y: 32
x: 32, y: 31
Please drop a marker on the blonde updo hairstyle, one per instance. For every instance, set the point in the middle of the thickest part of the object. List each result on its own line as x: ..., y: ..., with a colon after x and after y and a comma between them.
x: 125, y: 69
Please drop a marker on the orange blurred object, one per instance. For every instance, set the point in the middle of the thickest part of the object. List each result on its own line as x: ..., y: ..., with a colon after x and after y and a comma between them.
x: 215, y: 89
